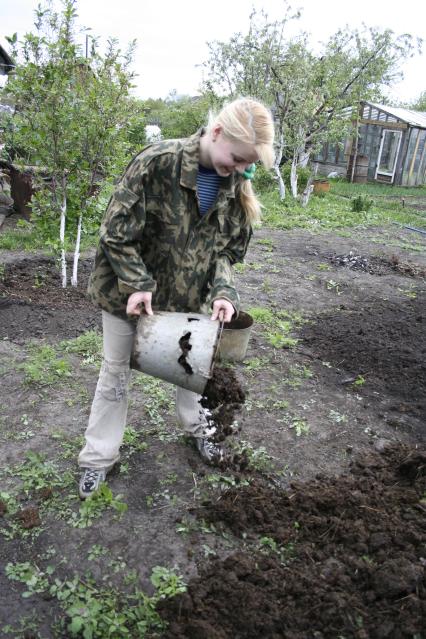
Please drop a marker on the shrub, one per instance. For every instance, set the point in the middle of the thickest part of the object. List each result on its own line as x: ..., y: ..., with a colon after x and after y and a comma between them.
x: 361, y: 203
x: 264, y: 179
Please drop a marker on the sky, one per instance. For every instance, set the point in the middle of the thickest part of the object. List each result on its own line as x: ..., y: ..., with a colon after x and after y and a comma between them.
x: 172, y: 34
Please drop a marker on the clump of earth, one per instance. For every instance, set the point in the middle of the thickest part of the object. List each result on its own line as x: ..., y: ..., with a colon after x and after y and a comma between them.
x: 335, y: 557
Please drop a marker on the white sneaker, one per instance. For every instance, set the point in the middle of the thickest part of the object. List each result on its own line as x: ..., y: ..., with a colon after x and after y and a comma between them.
x: 90, y: 481
x: 211, y: 452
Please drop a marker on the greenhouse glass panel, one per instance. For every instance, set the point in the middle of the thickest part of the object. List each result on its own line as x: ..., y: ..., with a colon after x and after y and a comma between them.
x: 388, y: 152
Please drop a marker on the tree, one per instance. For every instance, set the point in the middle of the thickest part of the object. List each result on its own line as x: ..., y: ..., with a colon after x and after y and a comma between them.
x: 420, y: 103
x: 70, y: 119
x: 177, y: 116
x: 312, y: 97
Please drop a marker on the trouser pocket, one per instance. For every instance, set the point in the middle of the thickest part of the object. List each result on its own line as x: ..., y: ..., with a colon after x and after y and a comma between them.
x: 113, y: 381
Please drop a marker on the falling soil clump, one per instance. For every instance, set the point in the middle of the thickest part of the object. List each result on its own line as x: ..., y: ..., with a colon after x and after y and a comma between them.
x: 345, y: 558
x: 222, y: 397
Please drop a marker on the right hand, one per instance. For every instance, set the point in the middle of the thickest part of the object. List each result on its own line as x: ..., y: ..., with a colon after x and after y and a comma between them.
x: 136, y: 299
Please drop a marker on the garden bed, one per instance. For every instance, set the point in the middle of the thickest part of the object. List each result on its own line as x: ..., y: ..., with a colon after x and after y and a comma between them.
x: 318, y: 534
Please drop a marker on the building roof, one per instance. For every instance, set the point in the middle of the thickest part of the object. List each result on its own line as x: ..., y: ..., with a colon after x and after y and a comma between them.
x: 415, y: 118
x: 6, y: 62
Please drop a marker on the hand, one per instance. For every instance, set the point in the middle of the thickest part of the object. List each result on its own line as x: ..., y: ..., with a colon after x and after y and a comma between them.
x: 222, y: 310
x: 136, y: 299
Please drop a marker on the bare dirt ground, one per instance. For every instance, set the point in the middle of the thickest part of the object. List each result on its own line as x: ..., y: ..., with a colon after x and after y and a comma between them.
x: 320, y: 534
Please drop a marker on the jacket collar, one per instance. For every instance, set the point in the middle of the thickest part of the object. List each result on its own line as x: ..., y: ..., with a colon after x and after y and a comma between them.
x: 189, y: 167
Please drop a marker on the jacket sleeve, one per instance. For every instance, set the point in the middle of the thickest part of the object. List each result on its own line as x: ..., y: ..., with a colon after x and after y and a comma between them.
x: 223, y: 278
x: 122, y: 229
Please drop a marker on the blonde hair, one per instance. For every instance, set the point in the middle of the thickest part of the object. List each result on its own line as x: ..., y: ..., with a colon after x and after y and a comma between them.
x: 249, y: 121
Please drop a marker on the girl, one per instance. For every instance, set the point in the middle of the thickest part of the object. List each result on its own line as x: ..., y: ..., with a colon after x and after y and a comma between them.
x: 180, y: 217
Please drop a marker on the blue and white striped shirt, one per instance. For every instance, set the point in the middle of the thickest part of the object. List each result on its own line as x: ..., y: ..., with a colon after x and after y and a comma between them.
x: 208, y: 182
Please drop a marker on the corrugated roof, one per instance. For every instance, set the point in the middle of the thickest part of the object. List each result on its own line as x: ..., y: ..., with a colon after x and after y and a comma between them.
x: 415, y: 118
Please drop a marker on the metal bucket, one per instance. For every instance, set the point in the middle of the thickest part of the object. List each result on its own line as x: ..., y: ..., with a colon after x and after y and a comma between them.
x: 235, y: 338
x: 177, y: 347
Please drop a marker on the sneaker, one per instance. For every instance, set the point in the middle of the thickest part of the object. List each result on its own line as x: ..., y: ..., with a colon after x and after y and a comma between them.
x: 90, y: 481
x: 210, y: 451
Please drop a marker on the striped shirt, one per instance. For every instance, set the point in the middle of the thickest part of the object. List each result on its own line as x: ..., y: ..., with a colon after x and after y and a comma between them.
x: 208, y: 182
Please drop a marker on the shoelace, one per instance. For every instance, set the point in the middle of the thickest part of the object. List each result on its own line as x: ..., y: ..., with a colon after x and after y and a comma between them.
x: 90, y: 477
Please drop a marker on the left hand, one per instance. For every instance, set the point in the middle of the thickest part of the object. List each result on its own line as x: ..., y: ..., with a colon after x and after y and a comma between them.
x: 222, y: 310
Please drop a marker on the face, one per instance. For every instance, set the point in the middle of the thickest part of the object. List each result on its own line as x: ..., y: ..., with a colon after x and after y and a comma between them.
x: 227, y: 156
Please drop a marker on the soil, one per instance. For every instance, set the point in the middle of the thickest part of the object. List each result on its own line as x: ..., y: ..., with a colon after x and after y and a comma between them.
x: 320, y: 533
x: 348, y: 561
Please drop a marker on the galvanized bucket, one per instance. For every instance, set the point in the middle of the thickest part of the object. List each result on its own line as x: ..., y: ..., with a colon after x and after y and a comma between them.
x: 177, y: 347
x: 235, y: 338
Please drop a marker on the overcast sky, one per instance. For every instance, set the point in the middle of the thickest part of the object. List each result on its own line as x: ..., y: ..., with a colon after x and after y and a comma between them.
x: 172, y: 34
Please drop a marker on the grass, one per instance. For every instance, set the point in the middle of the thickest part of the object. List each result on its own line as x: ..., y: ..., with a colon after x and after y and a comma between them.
x: 277, y: 325
x: 347, y: 189
x: 331, y: 211
x: 334, y: 209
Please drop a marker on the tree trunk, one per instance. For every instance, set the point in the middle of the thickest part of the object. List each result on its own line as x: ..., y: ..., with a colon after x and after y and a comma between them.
x: 62, y: 232
x: 355, y: 146
x: 278, y: 158
x: 307, y: 192
x: 293, y: 177
x: 304, y: 157
x: 74, y: 279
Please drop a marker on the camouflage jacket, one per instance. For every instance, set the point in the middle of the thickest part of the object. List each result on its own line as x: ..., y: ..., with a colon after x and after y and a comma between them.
x: 153, y: 238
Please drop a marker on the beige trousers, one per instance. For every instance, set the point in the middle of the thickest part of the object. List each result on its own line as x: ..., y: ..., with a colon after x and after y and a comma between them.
x: 107, y: 421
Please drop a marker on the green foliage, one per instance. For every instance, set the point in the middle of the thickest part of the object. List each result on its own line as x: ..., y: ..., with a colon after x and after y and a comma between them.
x: 420, y: 103
x: 70, y: 119
x: 29, y: 574
x: 88, y: 345
x: 167, y: 582
x: 258, y: 458
x: 312, y: 93
x: 43, y: 366
x: 264, y: 179
x: 94, y: 612
x: 300, y: 427
x: 334, y: 211
x: 36, y: 473
x: 303, y: 175
x: 95, y: 505
x: 177, y: 116
x: 278, y: 325
x: 361, y: 203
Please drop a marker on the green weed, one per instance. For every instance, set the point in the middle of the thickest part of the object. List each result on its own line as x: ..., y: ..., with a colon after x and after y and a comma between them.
x: 241, y: 267
x: 331, y: 285
x: 96, y: 613
x: 88, y: 346
x: 361, y: 203
x: 300, y: 427
x: 360, y: 381
x: 95, y: 505
x: 258, y: 458
x: 37, y: 473
x: 269, y: 546
x: 255, y: 364
x: 278, y: 325
x: 43, y: 367
x: 337, y: 417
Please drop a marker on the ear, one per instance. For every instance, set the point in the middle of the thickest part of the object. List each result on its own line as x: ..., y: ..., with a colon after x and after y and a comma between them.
x: 216, y: 130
